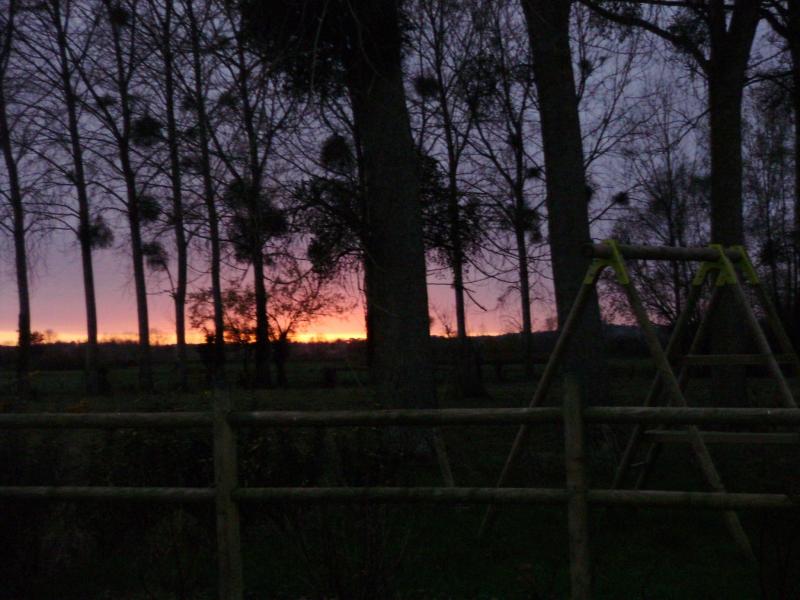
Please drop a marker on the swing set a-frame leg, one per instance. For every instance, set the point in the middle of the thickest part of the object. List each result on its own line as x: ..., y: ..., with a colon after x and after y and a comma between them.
x: 655, y: 388
x: 776, y: 325
x: 675, y: 395
x: 683, y: 379
x: 556, y: 356
x: 786, y: 396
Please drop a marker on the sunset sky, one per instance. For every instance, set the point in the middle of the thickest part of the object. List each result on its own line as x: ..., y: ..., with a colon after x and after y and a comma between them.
x: 58, y: 305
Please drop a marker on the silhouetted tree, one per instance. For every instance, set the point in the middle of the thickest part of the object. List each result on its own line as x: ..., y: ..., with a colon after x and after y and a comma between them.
x: 784, y: 18
x: 14, y: 194
x: 49, y: 42
x: 446, y: 39
x: 357, y: 46
x: 665, y: 202
x: 769, y: 194
x: 548, y: 24
x: 197, y: 92
x: 716, y: 37
x: 162, y: 24
x: 109, y: 80
x: 498, y: 83
x: 255, y: 221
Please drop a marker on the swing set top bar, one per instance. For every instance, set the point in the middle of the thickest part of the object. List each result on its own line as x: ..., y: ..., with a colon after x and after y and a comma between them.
x: 659, y: 253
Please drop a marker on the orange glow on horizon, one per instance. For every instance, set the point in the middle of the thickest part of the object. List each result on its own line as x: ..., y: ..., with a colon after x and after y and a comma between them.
x: 159, y: 338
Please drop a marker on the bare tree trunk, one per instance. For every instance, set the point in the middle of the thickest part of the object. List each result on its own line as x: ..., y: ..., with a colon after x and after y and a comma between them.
x: 794, y: 50
x: 140, y: 284
x: 181, y: 245
x: 20, y: 251
x: 567, y: 202
x: 369, y: 318
x: 730, y: 51
x: 134, y: 221
x: 525, y: 300
x: 368, y: 265
x: 398, y: 296
x: 84, y: 216
x: 262, y: 376
x: 520, y: 227
x: 467, y: 369
x: 210, y: 202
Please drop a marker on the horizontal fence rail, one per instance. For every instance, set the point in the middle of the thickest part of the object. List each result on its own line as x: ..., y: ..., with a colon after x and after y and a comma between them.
x: 407, y: 495
x: 408, y: 417
x: 134, y: 494
x: 721, y: 437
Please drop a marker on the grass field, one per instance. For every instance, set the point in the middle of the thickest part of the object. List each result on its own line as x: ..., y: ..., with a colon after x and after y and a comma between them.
x: 123, y: 551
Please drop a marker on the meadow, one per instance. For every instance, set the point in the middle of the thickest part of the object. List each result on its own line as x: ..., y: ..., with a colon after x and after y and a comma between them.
x: 125, y: 550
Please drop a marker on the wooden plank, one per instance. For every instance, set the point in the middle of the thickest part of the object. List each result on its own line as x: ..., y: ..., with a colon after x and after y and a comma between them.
x: 520, y: 496
x: 672, y: 253
x: 714, y: 360
x: 229, y: 551
x: 154, y: 420
x: 724, y: 501
x: 577, y: 505
x: 400, y: 495
x: 397, y: 417
x: 126, y: 494
x: 403, y: 495
x: 673, y: 415
x: 724, y: 437
x: 418, y: 417
x: 514, y: 416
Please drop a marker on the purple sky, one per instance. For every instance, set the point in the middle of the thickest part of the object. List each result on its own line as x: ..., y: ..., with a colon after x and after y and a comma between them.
x: 58, y: 305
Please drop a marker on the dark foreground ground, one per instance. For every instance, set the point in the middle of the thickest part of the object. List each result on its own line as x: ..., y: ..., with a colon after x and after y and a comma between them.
x: 127, y: 551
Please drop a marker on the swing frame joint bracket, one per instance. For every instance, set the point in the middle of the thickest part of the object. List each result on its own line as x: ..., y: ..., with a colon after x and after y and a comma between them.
x: 748, y: 270
x: 615, y: 262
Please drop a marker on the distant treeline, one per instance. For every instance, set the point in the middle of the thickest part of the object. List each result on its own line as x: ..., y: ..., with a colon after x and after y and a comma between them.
x: 622, y: 341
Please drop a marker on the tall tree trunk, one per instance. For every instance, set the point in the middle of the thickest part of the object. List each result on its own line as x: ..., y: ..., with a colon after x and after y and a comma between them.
x: 20, y: 251
x: 520, y: 229
x: 179, y: 293
x: 456, y: 251
x: 134, y: 220
x: 727, y: 67
x: 398, y: 295
x: 139, y: 280
x: 369, y: 318
x: 567, y: 202
x: 218, y: 376
x: 467, y: 368
x: 84, y: 215
x: 794, y: 50
x: 262, y: 376
x: 525, y: 300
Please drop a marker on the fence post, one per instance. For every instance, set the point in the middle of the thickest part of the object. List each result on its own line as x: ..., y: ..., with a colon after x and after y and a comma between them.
x: 577, y: 504
x: 229, y: 550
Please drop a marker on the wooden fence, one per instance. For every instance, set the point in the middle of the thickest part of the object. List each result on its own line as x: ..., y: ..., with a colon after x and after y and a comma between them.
x: 576, y: 497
